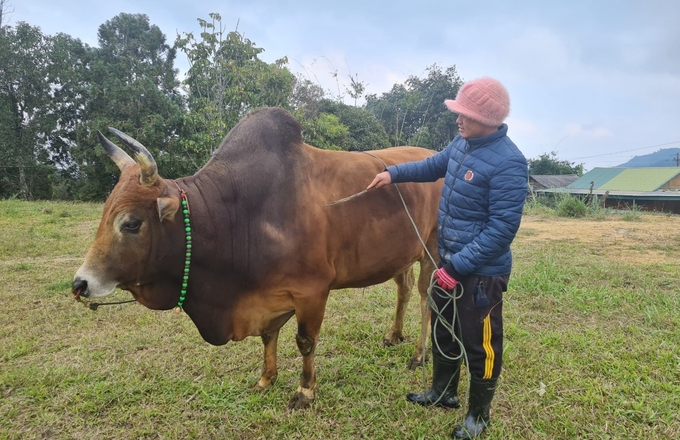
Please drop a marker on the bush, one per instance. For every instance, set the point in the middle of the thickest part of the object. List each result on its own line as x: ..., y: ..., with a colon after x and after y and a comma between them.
x: 539, y: 206
x: 571, y: 207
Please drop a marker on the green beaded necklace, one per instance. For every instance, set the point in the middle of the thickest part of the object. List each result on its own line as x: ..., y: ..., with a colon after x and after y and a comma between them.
x: 187, y: 254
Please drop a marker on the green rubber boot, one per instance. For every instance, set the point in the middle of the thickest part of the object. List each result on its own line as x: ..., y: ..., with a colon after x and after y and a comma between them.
x: 477, y: 417
x: 444, y: 390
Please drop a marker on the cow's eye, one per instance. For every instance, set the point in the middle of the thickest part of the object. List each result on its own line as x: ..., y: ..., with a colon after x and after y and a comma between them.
x: 131, y: 226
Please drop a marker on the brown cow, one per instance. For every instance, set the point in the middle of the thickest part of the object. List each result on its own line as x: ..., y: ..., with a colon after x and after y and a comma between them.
x: 267, y: 241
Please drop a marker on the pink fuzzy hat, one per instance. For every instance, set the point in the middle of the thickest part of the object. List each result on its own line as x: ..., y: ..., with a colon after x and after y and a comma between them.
x: 485, y: 100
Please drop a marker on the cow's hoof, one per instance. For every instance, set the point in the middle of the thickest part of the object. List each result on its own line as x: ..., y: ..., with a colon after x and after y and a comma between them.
x: 392, y: 340
x: 264, y: 383
x: 414, y: 362
x: 302, y: 398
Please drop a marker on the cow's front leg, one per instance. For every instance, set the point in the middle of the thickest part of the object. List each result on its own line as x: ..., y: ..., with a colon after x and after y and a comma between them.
x: 270, y: 371
x: 309, y: 324
x: 304, y: 396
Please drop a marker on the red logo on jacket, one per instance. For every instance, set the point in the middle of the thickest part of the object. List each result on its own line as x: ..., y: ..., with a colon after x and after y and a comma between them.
x: 469, y: 176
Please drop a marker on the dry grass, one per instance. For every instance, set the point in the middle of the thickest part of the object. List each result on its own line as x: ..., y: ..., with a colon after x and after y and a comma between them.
x: 592, y: 331
x: 651, y: 239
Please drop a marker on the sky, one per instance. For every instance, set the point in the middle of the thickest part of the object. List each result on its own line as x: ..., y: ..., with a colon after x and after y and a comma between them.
x: 597, y: 82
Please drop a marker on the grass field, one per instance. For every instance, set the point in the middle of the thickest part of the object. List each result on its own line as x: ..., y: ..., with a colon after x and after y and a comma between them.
x: 592, y: 347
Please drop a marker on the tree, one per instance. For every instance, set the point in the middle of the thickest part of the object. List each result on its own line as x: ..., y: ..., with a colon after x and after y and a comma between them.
x: 364, y: 131
x: 324, y: 131
x: 24, y: 99
x: 356, y: 88
x: 407, y: 109
x: 549, y: 164
x: 306, y: 98
x: 69, y: 75
x: 134, y: 88
x: 43, y: 90
x: 225, y: 80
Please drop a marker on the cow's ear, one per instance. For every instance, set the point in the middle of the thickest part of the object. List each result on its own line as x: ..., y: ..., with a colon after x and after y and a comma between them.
x: 167, y: 207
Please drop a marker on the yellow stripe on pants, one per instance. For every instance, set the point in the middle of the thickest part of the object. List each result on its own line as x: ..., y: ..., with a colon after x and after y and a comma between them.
x: 486, y: 343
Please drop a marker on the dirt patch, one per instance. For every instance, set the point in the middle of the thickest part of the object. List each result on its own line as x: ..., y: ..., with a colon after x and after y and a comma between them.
x: 648, y: 239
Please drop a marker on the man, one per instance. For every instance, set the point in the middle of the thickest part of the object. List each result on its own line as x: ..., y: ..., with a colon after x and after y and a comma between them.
x: 485, y: 185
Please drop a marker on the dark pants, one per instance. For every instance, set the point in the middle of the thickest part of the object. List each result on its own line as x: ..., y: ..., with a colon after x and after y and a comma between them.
x: 479, y: 324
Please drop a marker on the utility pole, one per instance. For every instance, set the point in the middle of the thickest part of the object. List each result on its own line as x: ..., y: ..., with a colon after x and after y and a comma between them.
x: 677, y: 159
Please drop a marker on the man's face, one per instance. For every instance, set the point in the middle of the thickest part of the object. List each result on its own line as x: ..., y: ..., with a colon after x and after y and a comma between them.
x: 469, y: 128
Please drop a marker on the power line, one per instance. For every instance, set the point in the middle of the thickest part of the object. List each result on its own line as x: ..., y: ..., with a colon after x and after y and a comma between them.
x: 626, y: 151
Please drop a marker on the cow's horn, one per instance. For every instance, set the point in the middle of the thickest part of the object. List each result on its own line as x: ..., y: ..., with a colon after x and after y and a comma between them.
x: 145, y: 160
x: 120, y: 157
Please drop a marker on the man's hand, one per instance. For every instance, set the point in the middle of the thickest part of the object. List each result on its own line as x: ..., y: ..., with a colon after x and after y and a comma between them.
x: 445, y: 281
x: 381, y: 179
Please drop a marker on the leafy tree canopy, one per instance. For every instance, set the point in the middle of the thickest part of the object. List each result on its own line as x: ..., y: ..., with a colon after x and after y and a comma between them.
x: 324, y: 131
x: 549, y: 164
x: 418, y: 104
x: 133, y: 87
x: 27, y: 111
x: 364, y: 131
x: 225, y: 80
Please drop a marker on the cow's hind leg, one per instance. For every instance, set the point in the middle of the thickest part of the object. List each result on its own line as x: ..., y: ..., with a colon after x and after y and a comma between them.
x: 426, y: 268
x: 270, y: 371
x: 405, y: 281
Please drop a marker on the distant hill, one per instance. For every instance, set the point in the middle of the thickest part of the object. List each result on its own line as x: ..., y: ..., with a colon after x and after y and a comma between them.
x: 662, y: 158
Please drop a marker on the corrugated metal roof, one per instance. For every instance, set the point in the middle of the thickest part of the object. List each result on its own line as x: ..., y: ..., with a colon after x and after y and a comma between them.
x: 554, y: 181
x: 640, y: 179
x: 639, y: 195
x: 598, y: 175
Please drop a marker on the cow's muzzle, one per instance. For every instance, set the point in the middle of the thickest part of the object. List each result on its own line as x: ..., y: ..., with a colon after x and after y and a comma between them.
x: 79, y: 288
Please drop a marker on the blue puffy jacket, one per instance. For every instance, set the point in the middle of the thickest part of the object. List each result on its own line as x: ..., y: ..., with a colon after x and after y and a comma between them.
x: 485, y: 186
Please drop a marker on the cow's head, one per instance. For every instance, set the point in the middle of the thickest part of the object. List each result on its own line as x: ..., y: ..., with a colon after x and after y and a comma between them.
x: 132, y: 236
